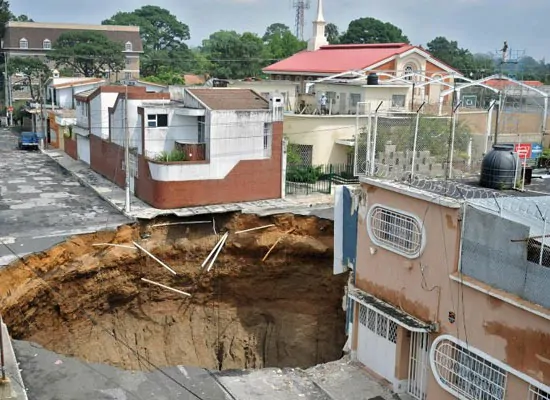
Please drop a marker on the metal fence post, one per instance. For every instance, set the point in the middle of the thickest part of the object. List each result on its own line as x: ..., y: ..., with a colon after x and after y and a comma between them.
x: 331, y: 177
x: 542, y: 241
x: 417, y: 124
x: 375, y: 134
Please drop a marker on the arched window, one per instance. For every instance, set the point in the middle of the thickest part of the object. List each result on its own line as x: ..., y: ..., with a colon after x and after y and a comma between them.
x: 47, y: 44
x: 409, y: 70
x: 23, y: 43
x: 128, y: 46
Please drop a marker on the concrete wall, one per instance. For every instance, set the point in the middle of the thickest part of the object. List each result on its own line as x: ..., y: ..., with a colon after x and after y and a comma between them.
x: 234, y: 136
x: 421, y: 287
x: 287, y: 89
x: 65, y: 96
x: 490, y: 256
x: 321, y: 132
x: 118, y: 127
x: 180, y: 127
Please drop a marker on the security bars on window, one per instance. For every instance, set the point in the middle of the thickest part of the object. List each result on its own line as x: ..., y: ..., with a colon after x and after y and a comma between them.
x: 468, y: 374
x: 396, y: 231
x: 537, y: 394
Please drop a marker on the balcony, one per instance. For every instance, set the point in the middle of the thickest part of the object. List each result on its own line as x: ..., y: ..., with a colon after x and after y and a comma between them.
x: 182, y: 152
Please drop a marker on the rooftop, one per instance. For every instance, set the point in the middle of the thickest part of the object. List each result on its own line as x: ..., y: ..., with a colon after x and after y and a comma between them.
x: 77, y: 82
x: 37, y: 32
x: 339, y: 58
x: 230, y: 99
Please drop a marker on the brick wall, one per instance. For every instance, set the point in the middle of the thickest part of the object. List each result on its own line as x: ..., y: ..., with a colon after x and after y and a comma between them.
x: 106, y: 158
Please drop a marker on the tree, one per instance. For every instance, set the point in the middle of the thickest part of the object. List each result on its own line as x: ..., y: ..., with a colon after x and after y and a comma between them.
x: 35, y: 73
x: 166, y: 77
x: 163, y: 37
x: 449, y: 52
x: 371, y: 30
x: 159, y: 29
x: 233, y: 55
x: 281, y: 43
x: 5, y: 16
x: 276, y: 29
x: 89, y: 53
x: 22, y: 18
x: 332, y: 34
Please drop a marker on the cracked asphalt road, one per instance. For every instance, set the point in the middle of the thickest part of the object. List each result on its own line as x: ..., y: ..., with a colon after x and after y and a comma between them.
x: 41, y: 204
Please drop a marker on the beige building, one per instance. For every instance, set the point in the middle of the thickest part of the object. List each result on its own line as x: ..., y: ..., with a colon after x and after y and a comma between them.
x: 447, y: 297
x: 24, y: 39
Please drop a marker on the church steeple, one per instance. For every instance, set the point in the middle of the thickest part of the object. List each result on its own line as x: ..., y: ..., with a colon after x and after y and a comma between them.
x: 318, y: 39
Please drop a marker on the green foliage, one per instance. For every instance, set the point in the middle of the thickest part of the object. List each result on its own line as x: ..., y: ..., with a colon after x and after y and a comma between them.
x: 459, y: 58
x: 243, y: 55
x: 166, y: 77
x: 172, y: 156
x: 281, y: 43
x: 371, y: 30
x: 332, y: 33
x: 304, y: 173
x: 5, y: 16
x: 33, y: 69
x: 22, y: 18
x: 163, y: 37
x: 89, y: 53
x: 292, y: 155
x: 433, y: 136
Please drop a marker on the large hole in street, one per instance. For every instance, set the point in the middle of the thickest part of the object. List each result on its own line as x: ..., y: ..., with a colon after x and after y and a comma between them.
x: 90, y: 301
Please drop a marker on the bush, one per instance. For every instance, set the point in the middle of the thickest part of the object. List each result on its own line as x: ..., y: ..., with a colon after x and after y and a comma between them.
x: 172, y: 156
x: 303, y: 174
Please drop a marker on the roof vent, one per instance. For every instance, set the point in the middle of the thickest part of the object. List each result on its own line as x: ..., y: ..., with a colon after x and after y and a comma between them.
x: 498, y: 169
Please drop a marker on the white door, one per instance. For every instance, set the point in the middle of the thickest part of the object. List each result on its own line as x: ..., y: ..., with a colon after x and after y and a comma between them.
x: 83, y: 148
x: 377, y: 342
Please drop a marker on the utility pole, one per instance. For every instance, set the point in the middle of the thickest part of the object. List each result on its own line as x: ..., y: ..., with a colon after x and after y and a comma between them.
x: 42, y: 119
x: 7, y: 88
x: 127, y: 151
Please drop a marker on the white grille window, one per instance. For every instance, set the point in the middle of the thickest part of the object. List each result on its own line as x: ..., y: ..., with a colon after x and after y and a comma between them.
x: 396, y: 231
x: 23, y: 43
x: 47, y: 44
x: 464, y: 373
x: 538, y: 394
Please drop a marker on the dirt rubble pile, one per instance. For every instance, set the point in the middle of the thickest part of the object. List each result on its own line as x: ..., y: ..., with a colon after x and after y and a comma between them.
x: 89, y: 301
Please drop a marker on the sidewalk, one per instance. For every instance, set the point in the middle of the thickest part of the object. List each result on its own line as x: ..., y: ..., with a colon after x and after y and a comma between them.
x: 114, y: 195
x: 14, y: 389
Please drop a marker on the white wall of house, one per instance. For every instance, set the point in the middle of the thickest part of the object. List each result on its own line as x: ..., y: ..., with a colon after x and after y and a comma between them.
x: 82, y: 114
x: 287, y: 89
x: 321, y: 132
x: 231, y: 136
x: 99, y: 110
x: 118, y: 127
x: 346, y: 96
x: 180, y: 128
x: 64, y: 97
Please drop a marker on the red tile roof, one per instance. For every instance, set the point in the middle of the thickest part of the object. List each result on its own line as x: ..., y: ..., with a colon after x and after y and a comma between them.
x: 502, y: 83
x: 334, y: 59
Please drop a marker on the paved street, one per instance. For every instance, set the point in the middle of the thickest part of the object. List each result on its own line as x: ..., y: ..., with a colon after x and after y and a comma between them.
x: 41, y: 204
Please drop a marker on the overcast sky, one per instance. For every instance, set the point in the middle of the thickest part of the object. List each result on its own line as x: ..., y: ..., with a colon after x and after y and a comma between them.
x: 480, y: 25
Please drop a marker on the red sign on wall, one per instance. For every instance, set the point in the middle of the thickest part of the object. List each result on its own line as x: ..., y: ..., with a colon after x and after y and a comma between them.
x: 523, y: 150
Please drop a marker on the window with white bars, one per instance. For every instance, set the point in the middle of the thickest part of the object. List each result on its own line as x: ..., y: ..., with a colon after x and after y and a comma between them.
x: 378, y: 323
x: 396, y: 231
x: 468, y: 374
x: 538, y: 394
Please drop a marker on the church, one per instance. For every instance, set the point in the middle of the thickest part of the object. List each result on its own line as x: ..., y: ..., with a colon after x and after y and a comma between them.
x: 322, y: 60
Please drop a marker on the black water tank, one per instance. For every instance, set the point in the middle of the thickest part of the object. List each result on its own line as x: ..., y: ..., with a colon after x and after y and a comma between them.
x: 372, y: 79
x: 498, y: 169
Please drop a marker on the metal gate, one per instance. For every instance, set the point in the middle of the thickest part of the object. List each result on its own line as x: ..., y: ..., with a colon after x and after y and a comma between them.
x: 377, y: 342
x: 418, y: 365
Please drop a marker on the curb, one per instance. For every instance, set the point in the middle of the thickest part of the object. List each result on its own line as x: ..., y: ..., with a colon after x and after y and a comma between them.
x: 85, y: 183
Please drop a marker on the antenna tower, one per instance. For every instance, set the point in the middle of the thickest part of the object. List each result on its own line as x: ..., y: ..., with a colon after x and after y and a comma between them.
x: 511, y: 96
x: 301, y: 6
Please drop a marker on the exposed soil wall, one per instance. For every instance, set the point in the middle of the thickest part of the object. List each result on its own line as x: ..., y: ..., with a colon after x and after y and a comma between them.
x: 90, y: 301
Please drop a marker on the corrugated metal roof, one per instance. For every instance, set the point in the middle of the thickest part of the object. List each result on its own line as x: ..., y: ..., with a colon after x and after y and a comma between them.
x: 86, y: 93
x: 230, y: 99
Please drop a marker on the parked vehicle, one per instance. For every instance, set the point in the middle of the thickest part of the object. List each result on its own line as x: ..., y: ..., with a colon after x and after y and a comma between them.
x: 28, y: 140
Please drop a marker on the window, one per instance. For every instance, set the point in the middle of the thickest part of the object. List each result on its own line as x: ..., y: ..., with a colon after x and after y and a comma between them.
x: 398, y: 101
x: 127, y: 61
x: 157, y: 120
x: 354, y: 98
x: 538, y: 394
x: 267, y: 135
x: 128, y: 46
x: 127, y: 75
x: 331, y: 96
x: 409, y: 69
x: 23, y: 43
x: 201, y: 138
x: 395, y: 231
x: 466, y: 373
x: 47, y: 44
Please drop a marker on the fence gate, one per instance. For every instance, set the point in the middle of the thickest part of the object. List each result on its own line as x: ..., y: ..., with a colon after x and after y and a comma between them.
x: 418, y: 365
